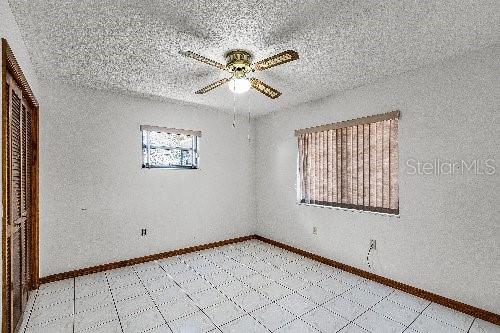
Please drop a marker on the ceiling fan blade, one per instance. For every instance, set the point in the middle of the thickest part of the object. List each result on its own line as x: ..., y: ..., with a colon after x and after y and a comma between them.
x: 264, y: 88
x: 277, y: 59
x: 202, y: 59
x: 212, y: 86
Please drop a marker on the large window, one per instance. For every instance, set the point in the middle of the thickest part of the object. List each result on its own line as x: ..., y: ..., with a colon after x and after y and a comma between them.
x: 351, y: 164
x: 169, y: 148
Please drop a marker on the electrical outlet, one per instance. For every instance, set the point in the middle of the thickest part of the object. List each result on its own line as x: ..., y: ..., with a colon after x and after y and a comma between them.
x: 144, y: 232
x: 373, y: 244
x: 315, y: 230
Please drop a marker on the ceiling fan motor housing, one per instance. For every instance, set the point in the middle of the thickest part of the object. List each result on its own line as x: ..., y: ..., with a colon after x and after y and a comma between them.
x: 239, y: 62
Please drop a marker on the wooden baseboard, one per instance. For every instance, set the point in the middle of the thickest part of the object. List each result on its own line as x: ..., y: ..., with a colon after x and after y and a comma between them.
x: 140, y: 260
x: 450, y: 303
x: 456, y: 305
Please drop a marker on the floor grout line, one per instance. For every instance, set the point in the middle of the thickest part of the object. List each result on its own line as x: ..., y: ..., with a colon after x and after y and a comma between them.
x: 472, y: 323
x: 152, y: 299
x: 407, y: 327
x: 32, y: 308
x: 114, y: 302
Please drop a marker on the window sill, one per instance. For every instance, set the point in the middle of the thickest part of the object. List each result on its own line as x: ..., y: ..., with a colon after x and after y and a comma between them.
x: 169, y: 168
x: 349, y: 210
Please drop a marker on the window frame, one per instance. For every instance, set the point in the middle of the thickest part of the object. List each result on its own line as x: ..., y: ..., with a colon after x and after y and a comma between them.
x: 195, y: 138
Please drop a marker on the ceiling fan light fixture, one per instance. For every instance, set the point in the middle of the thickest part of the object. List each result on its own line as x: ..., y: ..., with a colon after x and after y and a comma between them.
x: 239, y: 85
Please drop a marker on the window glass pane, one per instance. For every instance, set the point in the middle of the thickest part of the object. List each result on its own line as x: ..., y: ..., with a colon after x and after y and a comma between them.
x: 163, y: 139
x: 187, y: 157
x: 164, y: 157
x: 144, y: 155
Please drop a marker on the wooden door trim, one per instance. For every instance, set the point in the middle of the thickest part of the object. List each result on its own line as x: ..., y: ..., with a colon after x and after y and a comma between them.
x: 11, y: 66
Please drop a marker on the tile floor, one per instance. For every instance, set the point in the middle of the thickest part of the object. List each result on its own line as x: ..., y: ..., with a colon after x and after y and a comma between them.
x: 245, y: 287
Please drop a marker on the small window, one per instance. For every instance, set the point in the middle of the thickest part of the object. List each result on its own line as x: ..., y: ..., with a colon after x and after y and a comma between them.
x: 352, y: 164
x: 169, y: 148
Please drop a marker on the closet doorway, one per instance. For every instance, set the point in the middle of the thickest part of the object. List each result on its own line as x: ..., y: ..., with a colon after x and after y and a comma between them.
x: 19, y: 191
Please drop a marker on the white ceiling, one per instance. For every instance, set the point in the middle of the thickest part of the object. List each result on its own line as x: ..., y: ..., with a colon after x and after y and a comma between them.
x: 132, y: 45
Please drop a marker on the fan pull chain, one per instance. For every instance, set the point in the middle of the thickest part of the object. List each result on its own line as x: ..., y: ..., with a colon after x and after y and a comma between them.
x: 234, y: 108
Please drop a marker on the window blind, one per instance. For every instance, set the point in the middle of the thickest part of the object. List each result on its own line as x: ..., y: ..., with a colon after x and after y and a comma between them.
x: 351, y: 164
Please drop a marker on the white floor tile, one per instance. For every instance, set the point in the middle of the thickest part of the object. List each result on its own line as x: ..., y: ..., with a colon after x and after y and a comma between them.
x: 274, y: 291
x: 361, y: 297
x: 450, y: 316
x: 177, y: 309
x: 316, y: 294
x: 224, y: 312
x: 197, y: 322
x: 481, y: 326
x: 142, y: 321
x: 376, y: 288
x: 167, y: 295
x: 111, y: 327
x: 297, y: 326
x: 50, y: 313
x: 345, y: 308
x: 95, y: 317
x: 353, y: 328
x: 324, y: 321
x: 376, y: 323
x: 160, y: 283
x: 233, y: 288
x: 424, y: 324
x: 296, y: 304
x: 161, y: 329
x: 256, y: 281
x: 134, y: 305
x: 334, y: 286
x: 208, y: 297
x: 312, y: 276
x: 395, y: 312
x: 91, y: 279
x: 195, y: 286
x: 123, y: 281
x: 63, y: 295
x: 251, y: 301
x: 408, y: 301
x: 220, y: 277
x: 128, y: 292
x: 244, y: 324
x: 91, y: 289
x: 62, y: 325
x: 273, y: 316
x: 55, y: 286
x: 294, y: 282
x: 348, y: 278
x: 93, y: 301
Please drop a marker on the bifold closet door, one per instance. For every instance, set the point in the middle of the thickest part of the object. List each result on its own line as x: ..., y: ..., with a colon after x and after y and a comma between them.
x: 20, y: 160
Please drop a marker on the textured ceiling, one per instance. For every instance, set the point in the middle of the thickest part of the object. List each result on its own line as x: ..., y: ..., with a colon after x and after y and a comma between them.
x: 132, y: 46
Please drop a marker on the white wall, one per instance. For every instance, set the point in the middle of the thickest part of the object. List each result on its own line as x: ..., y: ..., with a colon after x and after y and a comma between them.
x: 10, y: 31
x: 447, y: 238
x: 91, y: 159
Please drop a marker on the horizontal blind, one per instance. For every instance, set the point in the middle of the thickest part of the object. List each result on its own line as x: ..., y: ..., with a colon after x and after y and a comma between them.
x: 170, y: 130
x: 353, y: 166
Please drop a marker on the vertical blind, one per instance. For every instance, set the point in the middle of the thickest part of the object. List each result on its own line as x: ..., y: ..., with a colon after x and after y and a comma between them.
x: 351, y: 164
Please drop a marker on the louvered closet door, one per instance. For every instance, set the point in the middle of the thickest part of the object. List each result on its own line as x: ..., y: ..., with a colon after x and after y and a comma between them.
x: 20, y: 195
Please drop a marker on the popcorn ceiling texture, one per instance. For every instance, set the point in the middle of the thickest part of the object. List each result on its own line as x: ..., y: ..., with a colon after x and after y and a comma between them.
x: 132, y: 46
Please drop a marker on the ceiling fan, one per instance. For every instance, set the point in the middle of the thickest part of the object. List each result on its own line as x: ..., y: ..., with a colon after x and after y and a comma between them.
x: 239, y: 64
